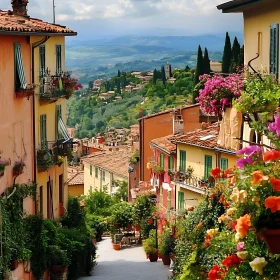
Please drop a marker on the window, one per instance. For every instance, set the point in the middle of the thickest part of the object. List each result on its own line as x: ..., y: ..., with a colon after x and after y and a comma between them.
x: 161, y: 160
x: 42, y: 67
x: 182, y: 160
x: 180, y: 200
x: 58, y: 117
x: 20, y: 80
x: 96, y: 172
x: 90, y: 170
x: 58, y: 60
x: 274, y: 49
x: 103, y: 175
x: 43, y: 131
x: 170, y: 164
x: 207, y: 166
x: 224, y: 163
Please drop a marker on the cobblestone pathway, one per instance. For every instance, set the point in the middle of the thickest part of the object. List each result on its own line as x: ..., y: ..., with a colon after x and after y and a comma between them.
x: 129, y: 263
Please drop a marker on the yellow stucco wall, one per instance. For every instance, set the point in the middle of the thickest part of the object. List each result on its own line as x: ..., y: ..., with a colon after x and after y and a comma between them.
x: 258, y: 18
x: 50, y: 110
x: 92, y: 183
x: 76, y: 190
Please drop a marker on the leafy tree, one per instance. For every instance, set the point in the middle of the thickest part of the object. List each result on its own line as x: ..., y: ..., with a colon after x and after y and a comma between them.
x: 163, y: 77
x: 99, y: 124
x: 122, y: 190
x: 235, y: 51
x: 199, y: 65
x: 206, y: 62
x: 226, y: 60
x: 187, y: 68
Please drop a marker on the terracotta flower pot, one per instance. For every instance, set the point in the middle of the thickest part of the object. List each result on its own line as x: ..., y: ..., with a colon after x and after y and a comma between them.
x: 153, y: 257
x: 13, y: 264
x: 116, y: 246
x: 272, y: 240
x: 137, y: 227
x: 165, y: 260
x: 58, y: 269
x: 159, y: 255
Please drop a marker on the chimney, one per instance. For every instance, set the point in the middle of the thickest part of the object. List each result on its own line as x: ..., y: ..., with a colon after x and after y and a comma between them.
x: 20, y: 7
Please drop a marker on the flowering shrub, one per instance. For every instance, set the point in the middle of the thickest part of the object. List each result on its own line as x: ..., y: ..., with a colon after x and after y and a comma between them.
x: 218, y: 92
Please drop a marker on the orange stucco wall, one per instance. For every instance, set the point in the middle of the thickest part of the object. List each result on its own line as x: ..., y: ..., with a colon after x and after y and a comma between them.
x: 15, y: 115
x: 162, y: 125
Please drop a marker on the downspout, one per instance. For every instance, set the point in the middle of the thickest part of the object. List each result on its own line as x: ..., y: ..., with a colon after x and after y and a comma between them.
x: 34, y: 46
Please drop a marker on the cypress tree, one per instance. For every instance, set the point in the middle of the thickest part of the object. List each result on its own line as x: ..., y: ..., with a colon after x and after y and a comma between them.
x: 119, y: 73
x: 235, y: 52
x: 226, y: 55
x: 163, y: 77
x: 206, y: 62
x: 187, y: 68
x: 240, y: 62
x: 155, y: 76
x: 199, y: 65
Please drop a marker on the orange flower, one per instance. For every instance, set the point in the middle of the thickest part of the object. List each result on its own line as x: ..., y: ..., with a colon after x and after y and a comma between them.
x: 243, y: 225
x: 272, y: 202
x: 271, y: 155
x: 257, y: 178
x: 275, y: 184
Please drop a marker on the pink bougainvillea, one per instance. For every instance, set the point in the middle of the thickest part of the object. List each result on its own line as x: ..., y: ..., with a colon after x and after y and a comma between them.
x: 218, y: 92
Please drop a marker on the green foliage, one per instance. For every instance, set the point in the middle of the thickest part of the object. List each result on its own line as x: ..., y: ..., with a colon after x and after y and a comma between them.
x: 96, y: 225
x: 166, y: 242
x: 121, y: 214
x: 199, y: 65
x: 122, y: 190
x: 235, y: 59
x: 206, y: 62
x: 226, y: 60
x: 98, y: 203
x: 149, y: 244
x: 135, y: 157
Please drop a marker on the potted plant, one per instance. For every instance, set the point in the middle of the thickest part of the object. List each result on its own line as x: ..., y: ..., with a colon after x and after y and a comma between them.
x: 149, y: 246
x: 166, y: 246
x: 18, y: 168
x: 60, y: 160
x: 57, y: 259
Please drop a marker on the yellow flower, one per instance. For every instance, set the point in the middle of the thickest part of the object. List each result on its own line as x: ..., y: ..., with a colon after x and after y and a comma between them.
x: 212, y: 232
x: 238, y: 196
x: 258, y: 264
x: 231, y: 210
x: 256, y: 199
x: 242, y: 255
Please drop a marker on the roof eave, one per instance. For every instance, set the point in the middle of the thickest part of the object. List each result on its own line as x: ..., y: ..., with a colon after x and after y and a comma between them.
x: 162, y: 149
x: 51, y: 34
x: 236, y: 5
x: 195, y: 145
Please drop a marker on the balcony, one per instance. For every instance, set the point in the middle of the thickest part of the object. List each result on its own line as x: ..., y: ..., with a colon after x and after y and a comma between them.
x: 57, y: 86
x: 45, y: 159
x: 25, y: 92
x: 63, y: 147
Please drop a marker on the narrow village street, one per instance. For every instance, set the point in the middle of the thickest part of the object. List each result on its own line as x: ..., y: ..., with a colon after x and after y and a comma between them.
x: 129, y: 263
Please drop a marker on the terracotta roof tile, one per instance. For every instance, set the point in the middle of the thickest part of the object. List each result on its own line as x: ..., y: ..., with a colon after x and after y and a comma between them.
x: 164, y: 144
x: 114, y: 161
x: 15, y: 23
x: 75, y: 176
x: 199, y: 137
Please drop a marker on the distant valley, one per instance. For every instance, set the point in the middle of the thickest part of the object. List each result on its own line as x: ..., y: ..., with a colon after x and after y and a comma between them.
x: 102, y: 58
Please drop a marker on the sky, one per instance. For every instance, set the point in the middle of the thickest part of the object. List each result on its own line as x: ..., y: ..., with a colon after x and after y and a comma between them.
x: 98, y: 19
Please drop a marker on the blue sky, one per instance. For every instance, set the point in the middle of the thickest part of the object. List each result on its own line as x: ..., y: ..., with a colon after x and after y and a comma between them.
x: 105, y: 18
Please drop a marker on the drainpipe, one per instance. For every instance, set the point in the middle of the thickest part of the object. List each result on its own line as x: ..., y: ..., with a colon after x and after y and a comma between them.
x: 34, y: 46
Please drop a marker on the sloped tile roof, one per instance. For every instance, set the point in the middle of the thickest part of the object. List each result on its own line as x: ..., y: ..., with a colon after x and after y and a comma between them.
x: 196, y: 137
x: 114, y: 161
x: 10, y: 23
x: 75, y: 176
x: 164, y: 144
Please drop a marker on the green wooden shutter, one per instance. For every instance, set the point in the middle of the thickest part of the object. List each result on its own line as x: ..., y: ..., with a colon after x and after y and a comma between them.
x: 161, y: 160
x: 90, y: 170
x: 96, y: 172
x: 42, y: 57
x: 207, y: 166
x: 274, y: 49
x: 170, y: 164
x: 160, y: 194
x: 20, y: 80
x: 58, y: 117
x: 224, y: 163
x: 182, y: 160
x: 180, y: 200
x: 43, y: 131
x: 58, y: 60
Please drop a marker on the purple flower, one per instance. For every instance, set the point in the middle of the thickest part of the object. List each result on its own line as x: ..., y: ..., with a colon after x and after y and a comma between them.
x: 242, y: 162
x: 250, y: 151
x: 240, y: 246
x: 275, y: 126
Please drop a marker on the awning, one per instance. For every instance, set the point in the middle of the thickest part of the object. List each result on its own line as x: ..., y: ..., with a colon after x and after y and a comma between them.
x: 63, y: 130
x: 19, y: 65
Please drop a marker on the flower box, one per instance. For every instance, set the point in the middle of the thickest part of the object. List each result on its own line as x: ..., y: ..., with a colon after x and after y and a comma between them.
x: 272, y: 240
x: 26, y: 92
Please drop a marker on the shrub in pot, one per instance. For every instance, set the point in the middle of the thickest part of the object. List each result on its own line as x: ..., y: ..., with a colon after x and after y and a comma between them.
x: 150, y: 246
x: 57, y: 259
x: 166, y: 245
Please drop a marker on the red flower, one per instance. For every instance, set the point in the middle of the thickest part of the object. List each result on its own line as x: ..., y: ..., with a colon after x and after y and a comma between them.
x: 207, y: 241
x: 216, y: 273
x: 231, y: 260
x: 271, y: 155
x: 232, y: 226
x: 216, y: 172
x: 227, y: 173
x: 275, y: 184
x: 213, y: 195
x: 223, y: 201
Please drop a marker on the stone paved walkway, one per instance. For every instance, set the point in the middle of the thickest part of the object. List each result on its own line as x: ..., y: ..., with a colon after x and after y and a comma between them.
x: 129, y: 263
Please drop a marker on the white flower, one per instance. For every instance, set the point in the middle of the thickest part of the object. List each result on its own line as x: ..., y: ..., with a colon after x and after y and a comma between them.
x: 238, y: 196
x: 258, y: 264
